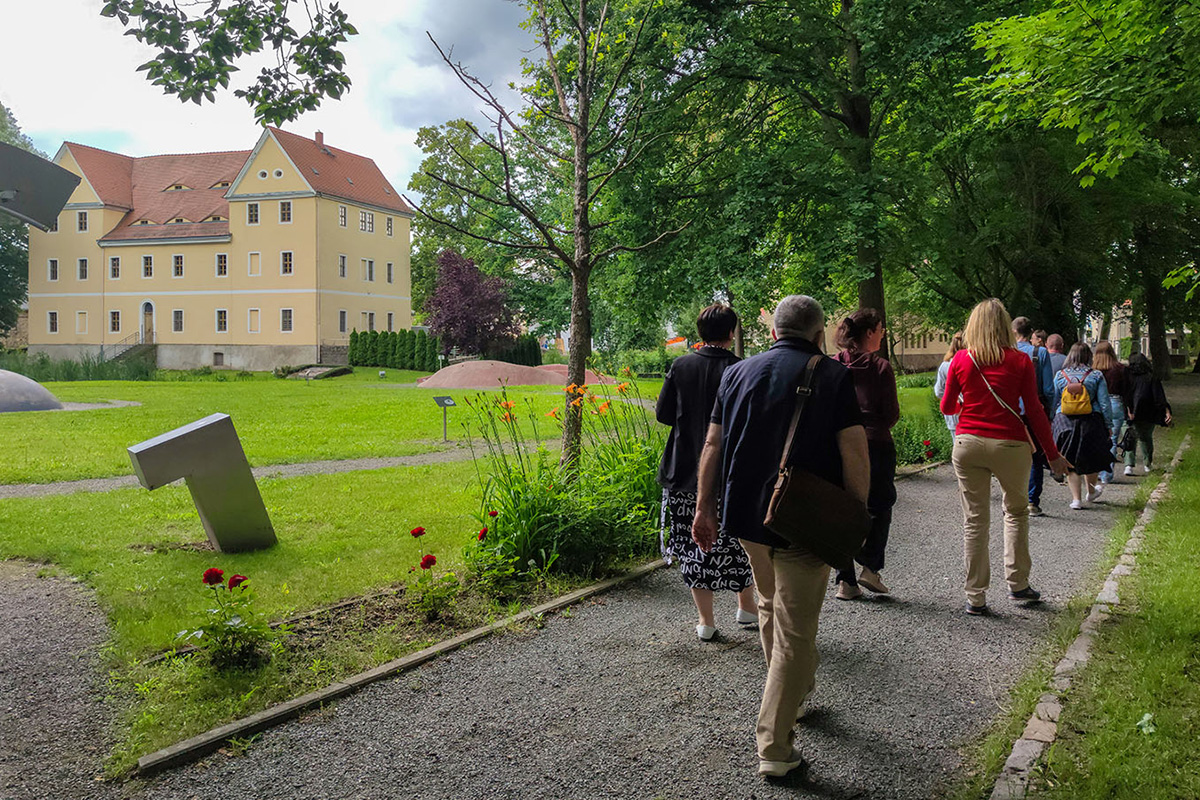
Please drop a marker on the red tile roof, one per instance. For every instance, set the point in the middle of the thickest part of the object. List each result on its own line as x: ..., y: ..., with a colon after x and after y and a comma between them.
x: 337, y: 173
x: 142, y: 185
x: 108, y: 173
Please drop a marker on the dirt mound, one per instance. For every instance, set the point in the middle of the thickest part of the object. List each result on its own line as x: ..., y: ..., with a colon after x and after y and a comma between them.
x: 489, y: 375
x: 589, y: 376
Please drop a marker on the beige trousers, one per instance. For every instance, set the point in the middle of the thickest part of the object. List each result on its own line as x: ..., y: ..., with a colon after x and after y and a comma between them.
x: 791, y: 588
x: 976, y: 459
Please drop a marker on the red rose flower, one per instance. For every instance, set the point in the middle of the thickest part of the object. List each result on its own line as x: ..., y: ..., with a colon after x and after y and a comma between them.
x: 236, y: 581
x: 482, y: 535
x: 928, y: 454
x: 417, y: 531
x: 214, y: 576
x: 493, y: 513
x: 927, y: 443
x: 484, y: 531
x: 428, y: 561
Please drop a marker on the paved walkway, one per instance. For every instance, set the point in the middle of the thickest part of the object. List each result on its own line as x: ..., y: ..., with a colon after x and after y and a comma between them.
x: 619, y: 699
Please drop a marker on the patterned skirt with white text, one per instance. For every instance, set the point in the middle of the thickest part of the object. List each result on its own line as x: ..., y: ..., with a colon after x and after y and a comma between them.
x: 724, y: 568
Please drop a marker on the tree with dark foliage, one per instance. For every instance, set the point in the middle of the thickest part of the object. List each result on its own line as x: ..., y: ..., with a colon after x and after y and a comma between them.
x: 468, y: 309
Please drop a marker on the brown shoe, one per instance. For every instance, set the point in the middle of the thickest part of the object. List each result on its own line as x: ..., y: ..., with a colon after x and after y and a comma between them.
x: 848, y: 591
x: 873, y: 581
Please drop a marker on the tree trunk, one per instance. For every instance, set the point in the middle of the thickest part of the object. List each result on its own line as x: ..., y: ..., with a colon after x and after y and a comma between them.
x: 581, y: 270
x: 1135, y: 327
x: 1156, y: 325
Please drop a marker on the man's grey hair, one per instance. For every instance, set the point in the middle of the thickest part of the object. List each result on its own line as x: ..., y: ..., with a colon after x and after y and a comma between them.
x: 799, y: 315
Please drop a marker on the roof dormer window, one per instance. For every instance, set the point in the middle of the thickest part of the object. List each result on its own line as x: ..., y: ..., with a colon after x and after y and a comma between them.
x: 178, y: 187
x: 177, y: 220
x: 215, y: 218
x: 144, y: 222
x: 221, y: 185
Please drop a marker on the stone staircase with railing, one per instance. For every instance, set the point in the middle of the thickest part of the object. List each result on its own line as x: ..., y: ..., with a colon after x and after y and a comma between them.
x: 132, y: 346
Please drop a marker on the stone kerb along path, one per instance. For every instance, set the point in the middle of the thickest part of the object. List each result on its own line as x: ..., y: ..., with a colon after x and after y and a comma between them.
x: 617, y: 698
x: 1042, y: 728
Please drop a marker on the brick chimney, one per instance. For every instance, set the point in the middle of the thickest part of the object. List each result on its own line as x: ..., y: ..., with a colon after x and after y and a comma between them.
x: 320, y: 139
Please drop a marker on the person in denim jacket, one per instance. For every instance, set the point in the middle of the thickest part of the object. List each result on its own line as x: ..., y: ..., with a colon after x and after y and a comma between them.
x: 1083, y: 438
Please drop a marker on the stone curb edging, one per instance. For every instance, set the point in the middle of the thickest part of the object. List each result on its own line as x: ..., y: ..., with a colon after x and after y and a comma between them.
x: 202, y: 744
x: 1041, y: 730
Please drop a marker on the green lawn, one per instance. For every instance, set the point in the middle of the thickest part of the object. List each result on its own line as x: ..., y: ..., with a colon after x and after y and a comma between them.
x: 279, y: 421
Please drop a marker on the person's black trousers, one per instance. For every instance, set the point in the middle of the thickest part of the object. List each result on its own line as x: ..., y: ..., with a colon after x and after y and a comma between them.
x: 880, y: 499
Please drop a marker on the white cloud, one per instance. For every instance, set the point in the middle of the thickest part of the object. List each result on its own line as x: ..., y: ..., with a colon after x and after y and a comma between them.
x: 73, y: 77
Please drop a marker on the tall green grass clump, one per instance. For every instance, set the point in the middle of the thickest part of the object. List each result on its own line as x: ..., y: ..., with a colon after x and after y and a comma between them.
x: 43, y: 369
x: 539, y: 516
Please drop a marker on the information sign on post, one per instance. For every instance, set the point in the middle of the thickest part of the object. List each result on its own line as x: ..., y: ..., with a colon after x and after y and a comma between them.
x: 444, y: 403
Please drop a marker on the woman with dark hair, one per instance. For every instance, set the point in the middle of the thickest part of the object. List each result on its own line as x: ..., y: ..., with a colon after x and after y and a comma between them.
x: 685, y: 404
x: 1082, y: 423
x: 1145, y: 407
x: 860, y: 336
x: 1105, y: 359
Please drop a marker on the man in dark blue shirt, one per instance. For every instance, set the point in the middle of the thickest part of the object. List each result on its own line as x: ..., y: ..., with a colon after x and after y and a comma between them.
x: 1023, y: 330
x: 740, y: 463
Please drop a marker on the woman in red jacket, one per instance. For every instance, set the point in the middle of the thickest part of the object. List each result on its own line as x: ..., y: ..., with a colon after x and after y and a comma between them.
x: 993, y: 377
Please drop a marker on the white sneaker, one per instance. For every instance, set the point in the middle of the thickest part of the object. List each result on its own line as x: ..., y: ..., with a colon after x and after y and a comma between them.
x: 777, y: 769
x: 745, y: 617
x: 706, y: 632
x: 1095, y: 493
x: 1129, y: 471
x: 1146, y: 469
x: 1077, y: 505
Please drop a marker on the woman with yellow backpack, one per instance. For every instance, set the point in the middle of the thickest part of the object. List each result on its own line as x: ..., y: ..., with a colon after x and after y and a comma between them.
x: 1082, y: 423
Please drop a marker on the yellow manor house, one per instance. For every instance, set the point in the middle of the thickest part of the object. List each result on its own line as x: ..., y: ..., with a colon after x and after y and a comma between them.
x: 247, y: 260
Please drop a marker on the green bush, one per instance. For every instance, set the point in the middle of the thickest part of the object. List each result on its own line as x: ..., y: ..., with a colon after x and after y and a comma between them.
x: 42, y: 368
x: 911, y: 433
x: 525, y: 349
x: 645, y: 363
x: 919, y: 380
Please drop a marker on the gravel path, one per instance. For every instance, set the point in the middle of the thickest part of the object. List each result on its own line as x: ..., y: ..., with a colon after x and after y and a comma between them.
x: 52, y: 715
x: 619, y: 700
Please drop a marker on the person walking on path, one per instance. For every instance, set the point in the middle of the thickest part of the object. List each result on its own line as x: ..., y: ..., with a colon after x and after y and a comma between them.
x: 939, y: 386
x: 859, y: 336
x: 740, y: 463
x: 1082, y: 424
x: 985, y: 384
x: 1044, y: 377
x: 1145, y: 407
x: 685, y: 404
x: 1105, y: 359
x: 1055, y: 345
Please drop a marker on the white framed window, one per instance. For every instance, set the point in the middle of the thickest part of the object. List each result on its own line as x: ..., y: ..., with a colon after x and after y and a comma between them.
x: 252, y: 320
x: 252, y: 213
x: 285, y: 262
x: 390, y: 272
x: 262, y: 174
x: 368, y: 269
x: 81, y: 322
x: 52, y: 322
x: 177, y: 266
x: 222, y: 320
x: 81, y: 221
x: 285, y: 320
x: 254, y: 264
x: 147, y: 266
x: 278, y: 173
x: 52, y: 269
x: 391, y: 320
x: 389, y: 226
x: 285, y: 212
x: 114, y: 322
x: 362, y: 221
x: 177, y: 320
x: 222, y: 265
x: 343, y: 322
x: 83, y: 269
x: 370, y: 320
x: 114, y: 267
x: 341, y: 266
x: 341, y: 216
x: 370, y: 222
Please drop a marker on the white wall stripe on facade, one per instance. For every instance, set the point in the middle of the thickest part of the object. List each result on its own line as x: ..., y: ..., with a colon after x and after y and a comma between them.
x: 201, y: 293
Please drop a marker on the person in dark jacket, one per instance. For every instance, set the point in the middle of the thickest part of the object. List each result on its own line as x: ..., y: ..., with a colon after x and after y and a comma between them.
x: 686, y: 403
x: 1145, y: 407
x: 860, y: 336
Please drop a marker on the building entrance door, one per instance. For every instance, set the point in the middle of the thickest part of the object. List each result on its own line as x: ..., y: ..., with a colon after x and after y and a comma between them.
x: 147, y: 323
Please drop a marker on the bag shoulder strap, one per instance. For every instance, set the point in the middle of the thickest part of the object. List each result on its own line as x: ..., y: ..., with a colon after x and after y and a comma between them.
x: 803, y: 392
x: 988, y: 384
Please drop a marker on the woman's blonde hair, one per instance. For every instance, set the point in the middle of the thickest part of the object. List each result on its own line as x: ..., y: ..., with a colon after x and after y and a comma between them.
x: 1104, y: 357
x: 989, y: 332
x: 956, y: 344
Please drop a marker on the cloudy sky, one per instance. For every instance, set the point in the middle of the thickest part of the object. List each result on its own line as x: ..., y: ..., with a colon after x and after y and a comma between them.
x: 71, y: 76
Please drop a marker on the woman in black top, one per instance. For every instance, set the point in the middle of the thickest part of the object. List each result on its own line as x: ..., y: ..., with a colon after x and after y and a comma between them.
x: 1146, y: 406
x: 685, y: 404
